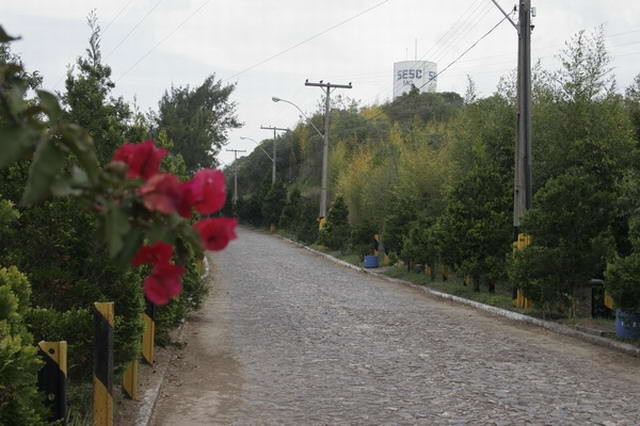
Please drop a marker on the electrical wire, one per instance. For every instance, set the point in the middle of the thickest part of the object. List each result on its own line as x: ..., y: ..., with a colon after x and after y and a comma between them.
x: 135, y: 27
x: 313, y: 37
x: 143, y: 57
x: 116, y: 17
x: 485, y: 35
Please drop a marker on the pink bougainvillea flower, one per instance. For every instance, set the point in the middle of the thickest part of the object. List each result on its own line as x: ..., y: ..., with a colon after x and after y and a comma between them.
x: 206, y: 191
x: 165, y: 193
x: 154, y: 254
x: 142, y: 158
x: 163, y: 283
x: 216, y: 233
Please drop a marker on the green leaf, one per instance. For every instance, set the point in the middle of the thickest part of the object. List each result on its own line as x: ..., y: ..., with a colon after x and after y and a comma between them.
x: 116, y: 228
x: 4, y: 37
x: 48, y: 160
x: 50, y: 104
x: 131, y: 242
x: 14, y: 144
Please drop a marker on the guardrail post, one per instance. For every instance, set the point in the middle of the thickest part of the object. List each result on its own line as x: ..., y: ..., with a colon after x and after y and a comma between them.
x: 103, y: 320
x: 149, y: 336
x: 52, y: 378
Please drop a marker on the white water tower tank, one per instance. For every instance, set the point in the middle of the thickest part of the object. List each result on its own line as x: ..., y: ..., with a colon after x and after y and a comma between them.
x: 419, y: 74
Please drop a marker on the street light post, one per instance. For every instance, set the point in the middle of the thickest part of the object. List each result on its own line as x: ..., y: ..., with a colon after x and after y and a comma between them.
x: 324, y: 135
x: 273, y: 159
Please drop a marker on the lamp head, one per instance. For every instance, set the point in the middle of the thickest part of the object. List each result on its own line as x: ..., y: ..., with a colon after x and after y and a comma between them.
x: 275, y: 99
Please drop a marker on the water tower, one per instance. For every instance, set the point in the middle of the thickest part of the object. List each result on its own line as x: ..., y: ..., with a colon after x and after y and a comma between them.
x: 419, y: 74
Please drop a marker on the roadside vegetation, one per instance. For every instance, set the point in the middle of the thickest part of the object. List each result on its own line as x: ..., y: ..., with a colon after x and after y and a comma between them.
x: 71, y: 220
x: 432, y: 174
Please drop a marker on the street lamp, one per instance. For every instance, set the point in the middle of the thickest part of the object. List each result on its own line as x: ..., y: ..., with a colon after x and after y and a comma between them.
x: 273, y: 160
x: 276, y: 99
x: 323, y: 186
x: 257, y: 143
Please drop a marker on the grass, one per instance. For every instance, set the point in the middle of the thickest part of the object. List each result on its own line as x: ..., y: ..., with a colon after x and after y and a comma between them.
x: 454, y: 286
x: 502, y: 298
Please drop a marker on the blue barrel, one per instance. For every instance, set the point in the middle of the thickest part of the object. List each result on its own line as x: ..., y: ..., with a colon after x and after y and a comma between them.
x: 371, y: 261
x: 628, y: 325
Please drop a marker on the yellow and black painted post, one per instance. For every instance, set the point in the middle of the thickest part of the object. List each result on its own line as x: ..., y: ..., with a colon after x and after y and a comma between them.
x: 445, y: 272
x: 149, y: 336
x: 130, y: 379
x: 103, y: 321
x: 520, y: 300
x: 52, y: 378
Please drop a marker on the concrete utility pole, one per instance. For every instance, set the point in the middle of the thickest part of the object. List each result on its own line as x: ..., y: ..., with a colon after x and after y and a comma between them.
x: 273, y: 160
x: 523, y: 187
x: 325, y: 148
x: 235, y: 175
x: 523, y: 191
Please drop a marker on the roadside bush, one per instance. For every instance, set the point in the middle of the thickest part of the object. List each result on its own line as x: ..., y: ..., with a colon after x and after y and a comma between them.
x: 20, y: 402
x: 336, y: 232
x: 361, y: 239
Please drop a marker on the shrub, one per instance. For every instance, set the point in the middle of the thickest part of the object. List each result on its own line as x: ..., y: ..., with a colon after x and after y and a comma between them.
x: 20, y: 402
x: 336, y: 232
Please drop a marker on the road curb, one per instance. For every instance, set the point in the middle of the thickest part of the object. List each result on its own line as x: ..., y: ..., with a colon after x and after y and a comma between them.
x: 514, y: 316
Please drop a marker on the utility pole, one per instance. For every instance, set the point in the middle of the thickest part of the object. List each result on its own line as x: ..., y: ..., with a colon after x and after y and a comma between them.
x: 235, y: 175
x: 523, y: 191
x: 273, y: 160
x: 523, y: 182
x: 325, y: 148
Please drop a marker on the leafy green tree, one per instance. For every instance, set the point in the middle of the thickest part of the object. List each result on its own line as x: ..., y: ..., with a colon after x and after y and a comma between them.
x: 570, y: 225
x: 290, y: 210
x: 89, y: 103
x: 475, y: 228
x: 336, y: 231
x: 198, y: 120
x: 273, y: 203
x: 632, y: 101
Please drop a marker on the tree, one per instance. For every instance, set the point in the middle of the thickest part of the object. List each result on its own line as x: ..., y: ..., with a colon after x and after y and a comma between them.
x: 198, y: 120
x: 88, y: 99
x: 273, y: 203
x: 336, y: 231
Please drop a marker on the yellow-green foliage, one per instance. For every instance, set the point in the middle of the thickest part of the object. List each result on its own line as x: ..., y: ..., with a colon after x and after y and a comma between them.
x: 20, y: 402
x: 407, y: 165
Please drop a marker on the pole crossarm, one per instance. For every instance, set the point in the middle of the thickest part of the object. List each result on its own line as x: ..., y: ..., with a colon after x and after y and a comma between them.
x: 273, y: 160
x: 506, y: 15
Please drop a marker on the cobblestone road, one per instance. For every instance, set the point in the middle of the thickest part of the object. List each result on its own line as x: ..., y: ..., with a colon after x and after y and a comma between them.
x: 291, y: 338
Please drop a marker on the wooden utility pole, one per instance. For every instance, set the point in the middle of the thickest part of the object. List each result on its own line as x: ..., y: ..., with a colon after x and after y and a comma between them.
x: 235, y: 175
x: 325, y: 148
x: 273, y: 160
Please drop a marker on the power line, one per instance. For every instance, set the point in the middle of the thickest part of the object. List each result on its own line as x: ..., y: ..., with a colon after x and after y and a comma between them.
x: 133, y: 29
x: 313, y: 37
x: 143, y: 57
x: 452, y: 62
x: 116, y: 17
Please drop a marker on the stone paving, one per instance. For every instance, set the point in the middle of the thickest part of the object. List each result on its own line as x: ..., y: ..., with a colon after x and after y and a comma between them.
x: 317, y: 343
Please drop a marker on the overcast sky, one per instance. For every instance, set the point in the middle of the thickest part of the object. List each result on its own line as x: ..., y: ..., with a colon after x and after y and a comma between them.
x: 152, y: 44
